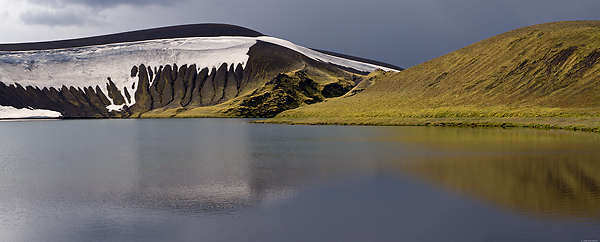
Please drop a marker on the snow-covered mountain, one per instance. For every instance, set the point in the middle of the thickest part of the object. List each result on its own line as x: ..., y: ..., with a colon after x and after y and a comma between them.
x: 92, y: 78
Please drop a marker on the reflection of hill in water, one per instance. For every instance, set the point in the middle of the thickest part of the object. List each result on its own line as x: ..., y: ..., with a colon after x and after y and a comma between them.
x: 547, y: 174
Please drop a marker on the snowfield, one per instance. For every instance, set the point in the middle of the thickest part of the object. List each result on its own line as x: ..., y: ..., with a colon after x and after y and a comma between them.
x: 91, y: 66
x: 12, y: 113
x: 361, y: 66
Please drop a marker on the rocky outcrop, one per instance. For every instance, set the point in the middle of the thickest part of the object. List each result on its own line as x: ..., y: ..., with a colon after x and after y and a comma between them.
x: 185, y: 86
x: 70, y: 101
x: 286, y: 92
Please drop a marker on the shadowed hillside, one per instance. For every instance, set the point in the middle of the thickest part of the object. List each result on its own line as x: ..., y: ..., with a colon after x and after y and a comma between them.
x: 546, y: 70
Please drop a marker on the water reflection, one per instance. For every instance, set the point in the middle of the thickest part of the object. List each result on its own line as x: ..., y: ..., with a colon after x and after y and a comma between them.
x: 224, y: 167
x: 120, y: 179
x: 550, y: 174
x: 191, y: 167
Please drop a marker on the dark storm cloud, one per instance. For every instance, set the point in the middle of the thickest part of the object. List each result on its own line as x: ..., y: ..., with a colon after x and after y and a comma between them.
x: 402, y: 32
x: 79, y: 12
x: 57, y: 18
x: 103, y: 3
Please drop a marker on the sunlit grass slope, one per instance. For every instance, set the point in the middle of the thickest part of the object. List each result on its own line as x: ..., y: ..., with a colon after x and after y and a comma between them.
x: 546, y: 70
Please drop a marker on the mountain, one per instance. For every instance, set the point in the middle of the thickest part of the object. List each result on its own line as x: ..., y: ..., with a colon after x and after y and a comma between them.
x: 189, y: 70
x: 546, y: 70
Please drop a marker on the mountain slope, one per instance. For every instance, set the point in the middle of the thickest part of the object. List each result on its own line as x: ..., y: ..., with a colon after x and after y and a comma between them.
x: 159, y: 70
x: 266, y: 65
x: 547, y: 70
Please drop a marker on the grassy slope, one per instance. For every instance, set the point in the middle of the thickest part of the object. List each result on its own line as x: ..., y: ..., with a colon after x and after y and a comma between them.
x: 523, y: 77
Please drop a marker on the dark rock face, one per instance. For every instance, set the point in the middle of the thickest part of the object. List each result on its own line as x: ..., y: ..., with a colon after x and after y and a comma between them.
x: 186, y: 87
x: 189, y: 82
x: 114, y: 93
x: 336, y: 89
x: 70, y: 101
x: 134, y: 71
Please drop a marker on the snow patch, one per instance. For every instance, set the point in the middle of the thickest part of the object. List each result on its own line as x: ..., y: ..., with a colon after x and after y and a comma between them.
x: 90, y: 66
x: 11, y: 112
x: 361, y: 66
x: 114, y: 107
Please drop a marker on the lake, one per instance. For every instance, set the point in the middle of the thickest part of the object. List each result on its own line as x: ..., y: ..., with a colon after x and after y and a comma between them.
x: 230, y: 180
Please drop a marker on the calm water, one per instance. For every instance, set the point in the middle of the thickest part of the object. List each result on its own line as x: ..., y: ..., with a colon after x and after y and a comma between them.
x: 228, y: 180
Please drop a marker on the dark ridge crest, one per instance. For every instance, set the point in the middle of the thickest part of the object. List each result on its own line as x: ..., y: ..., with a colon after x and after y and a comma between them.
x: 354, y: 58
x: 180, y: 31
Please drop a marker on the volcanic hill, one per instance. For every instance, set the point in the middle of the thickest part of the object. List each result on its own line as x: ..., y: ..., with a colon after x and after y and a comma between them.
x: 198, y: 70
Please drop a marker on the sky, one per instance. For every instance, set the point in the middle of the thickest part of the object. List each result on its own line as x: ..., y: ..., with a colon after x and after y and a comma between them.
x: 400, y: 32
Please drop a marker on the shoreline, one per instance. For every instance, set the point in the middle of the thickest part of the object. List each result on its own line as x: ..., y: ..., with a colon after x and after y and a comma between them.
x: 585, y: 124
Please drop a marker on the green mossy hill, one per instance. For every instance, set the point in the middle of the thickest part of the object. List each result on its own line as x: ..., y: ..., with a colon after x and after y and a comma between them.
x: 282, y: 93
x: 286, y: 91
x: 546, y: 70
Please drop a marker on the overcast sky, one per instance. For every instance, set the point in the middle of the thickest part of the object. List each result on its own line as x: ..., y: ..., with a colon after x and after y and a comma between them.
x: 400, y: 32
